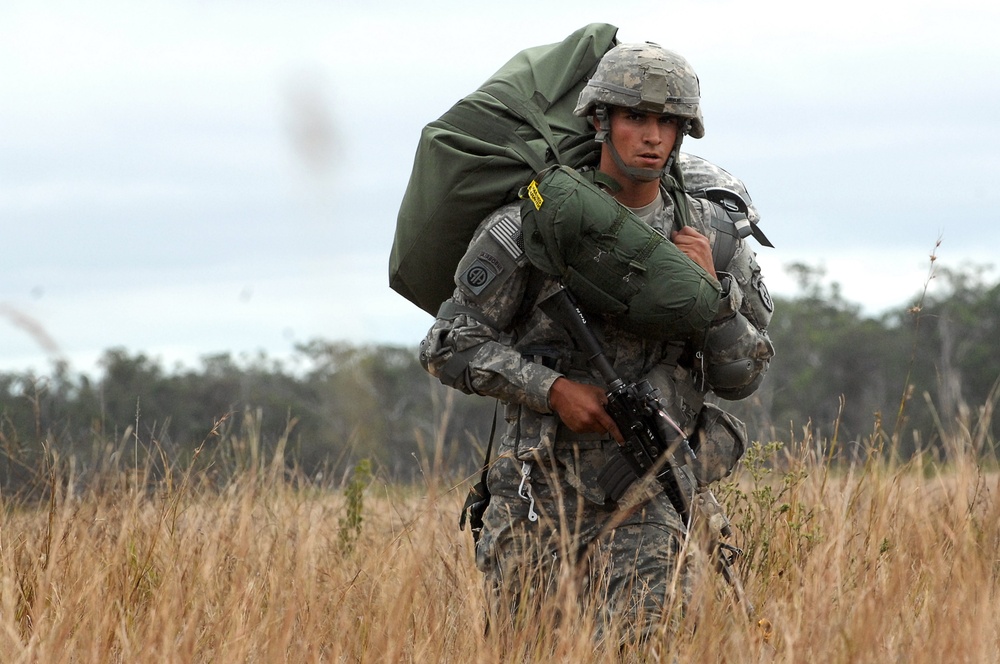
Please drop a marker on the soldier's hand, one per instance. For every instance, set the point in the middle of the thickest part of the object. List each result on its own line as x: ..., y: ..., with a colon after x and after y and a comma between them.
x: 581, y: 407
x: 696, y: 247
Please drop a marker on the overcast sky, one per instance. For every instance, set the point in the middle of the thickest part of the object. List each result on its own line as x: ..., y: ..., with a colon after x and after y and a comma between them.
x: 187, y: 178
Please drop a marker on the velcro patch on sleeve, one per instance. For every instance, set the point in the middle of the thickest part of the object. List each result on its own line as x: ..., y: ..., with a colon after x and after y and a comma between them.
x: 481, y: 273
x: 765, y: 295
x: 507, y: 232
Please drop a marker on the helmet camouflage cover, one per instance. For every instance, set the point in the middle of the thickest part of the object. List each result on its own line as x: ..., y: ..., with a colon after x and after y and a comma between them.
x: 646, y: 77
x: 702, y: 176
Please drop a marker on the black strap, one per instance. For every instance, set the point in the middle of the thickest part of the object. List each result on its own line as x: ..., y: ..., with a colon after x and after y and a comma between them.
x: 536, y: 280
x: 479, y: 495
x: 733, y: 202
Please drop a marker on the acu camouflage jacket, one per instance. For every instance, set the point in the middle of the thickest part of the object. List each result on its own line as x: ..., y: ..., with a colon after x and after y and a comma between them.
x: 491, y: 338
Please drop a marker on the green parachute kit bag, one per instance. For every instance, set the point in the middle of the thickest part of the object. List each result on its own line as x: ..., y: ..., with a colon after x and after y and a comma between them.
x: 613, y: 262
x: 480, y: 153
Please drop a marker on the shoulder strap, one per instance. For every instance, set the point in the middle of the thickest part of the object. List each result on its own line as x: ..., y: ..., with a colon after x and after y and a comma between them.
x: 726, y: 239
x: 682, y: 210
x: 602, y: 179
x: 536, y: 280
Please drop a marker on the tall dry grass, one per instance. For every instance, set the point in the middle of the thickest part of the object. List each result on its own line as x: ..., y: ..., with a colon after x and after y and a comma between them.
x: 869, y: 563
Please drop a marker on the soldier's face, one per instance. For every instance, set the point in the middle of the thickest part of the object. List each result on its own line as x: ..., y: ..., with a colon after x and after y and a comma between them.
x: 644, y: 140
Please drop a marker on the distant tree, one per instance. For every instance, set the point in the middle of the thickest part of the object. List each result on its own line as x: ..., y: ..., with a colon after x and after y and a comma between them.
x: 957, y: 365
x: 379, y: 402
x: 834, y: 368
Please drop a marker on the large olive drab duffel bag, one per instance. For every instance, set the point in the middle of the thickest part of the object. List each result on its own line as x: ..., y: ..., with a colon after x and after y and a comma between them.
x: 478, y: 155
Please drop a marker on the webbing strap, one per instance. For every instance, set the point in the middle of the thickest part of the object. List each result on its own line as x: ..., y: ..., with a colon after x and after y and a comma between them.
x: 530, y: 114
x: 456, y: 365
x: 654, y: 240
x: 603, y: 179
x: 619, y: 222
x: 682, y: 211
x: 499, y: 131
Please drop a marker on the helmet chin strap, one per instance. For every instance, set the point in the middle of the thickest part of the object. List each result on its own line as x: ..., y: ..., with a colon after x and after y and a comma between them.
x: 684, y: 129
x: 632, y: 172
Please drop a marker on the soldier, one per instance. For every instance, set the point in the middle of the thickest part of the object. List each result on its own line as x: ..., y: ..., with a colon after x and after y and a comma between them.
x: 547, y: 509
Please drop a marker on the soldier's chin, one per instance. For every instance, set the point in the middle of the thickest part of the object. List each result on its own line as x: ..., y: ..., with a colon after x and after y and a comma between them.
x: 642, y: 174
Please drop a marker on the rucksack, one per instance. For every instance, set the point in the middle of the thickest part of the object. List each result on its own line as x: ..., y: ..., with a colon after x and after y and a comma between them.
x: 476, y: 157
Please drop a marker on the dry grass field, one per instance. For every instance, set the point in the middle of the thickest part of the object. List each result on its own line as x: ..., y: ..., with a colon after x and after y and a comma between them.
x: 868, y: 563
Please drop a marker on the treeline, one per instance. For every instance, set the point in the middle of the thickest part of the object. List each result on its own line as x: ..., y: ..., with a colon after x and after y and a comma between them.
x: 905, y: 380
x: 340, y: 404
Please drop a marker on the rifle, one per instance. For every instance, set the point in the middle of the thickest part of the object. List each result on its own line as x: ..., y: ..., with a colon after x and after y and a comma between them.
x: 654, y: 445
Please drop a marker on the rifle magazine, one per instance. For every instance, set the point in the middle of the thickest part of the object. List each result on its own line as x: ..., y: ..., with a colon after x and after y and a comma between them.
x: 616, y: 476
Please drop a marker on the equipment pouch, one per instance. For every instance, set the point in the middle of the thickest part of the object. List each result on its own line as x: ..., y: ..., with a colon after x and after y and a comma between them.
x: 719, y: 441
x: 474, y: 508
x: 616, y: 476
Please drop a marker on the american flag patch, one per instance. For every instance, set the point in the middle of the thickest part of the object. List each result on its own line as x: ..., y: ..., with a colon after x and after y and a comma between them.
x: 508, y: 233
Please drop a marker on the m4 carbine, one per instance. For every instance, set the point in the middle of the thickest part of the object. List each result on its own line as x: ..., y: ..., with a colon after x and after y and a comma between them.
x: 653, y: 446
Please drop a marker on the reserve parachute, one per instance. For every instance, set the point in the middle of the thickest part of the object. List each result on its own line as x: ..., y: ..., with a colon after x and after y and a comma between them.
x: 614, y: 263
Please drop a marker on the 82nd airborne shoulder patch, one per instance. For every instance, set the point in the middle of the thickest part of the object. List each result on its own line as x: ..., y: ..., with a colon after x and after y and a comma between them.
x: 481, y: 273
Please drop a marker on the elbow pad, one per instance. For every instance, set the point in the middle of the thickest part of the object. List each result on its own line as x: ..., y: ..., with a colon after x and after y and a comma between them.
x: 453, y: 371
x: 736, y: 380
x: 440, y: 358
x: 736, y: 357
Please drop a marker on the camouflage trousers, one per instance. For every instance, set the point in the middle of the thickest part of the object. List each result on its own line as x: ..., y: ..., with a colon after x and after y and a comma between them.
x: 545, y: 541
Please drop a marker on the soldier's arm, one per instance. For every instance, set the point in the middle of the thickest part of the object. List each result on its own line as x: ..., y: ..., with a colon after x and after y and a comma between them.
x: 737, y: 348
x: 464, y: 348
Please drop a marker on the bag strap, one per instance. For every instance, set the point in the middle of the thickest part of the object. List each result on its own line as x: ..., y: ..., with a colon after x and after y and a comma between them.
x: 530, y: 114
x: 496, y: 132
x: 675, y: 189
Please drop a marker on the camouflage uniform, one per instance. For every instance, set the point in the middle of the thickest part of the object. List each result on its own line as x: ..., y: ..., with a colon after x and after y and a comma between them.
x: 548, y: 515
x: 492, y: 339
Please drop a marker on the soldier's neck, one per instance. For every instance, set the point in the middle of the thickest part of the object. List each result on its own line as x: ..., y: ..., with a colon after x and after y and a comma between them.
x: 638, y: 194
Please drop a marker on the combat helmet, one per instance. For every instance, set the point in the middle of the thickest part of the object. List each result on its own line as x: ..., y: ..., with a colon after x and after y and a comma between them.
x: 646, y: 77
